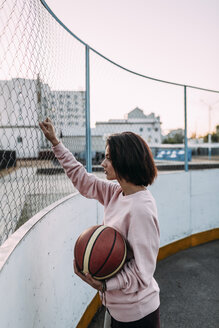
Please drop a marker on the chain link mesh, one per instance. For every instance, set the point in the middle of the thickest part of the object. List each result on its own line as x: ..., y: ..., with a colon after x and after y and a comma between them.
x: 42, y: 73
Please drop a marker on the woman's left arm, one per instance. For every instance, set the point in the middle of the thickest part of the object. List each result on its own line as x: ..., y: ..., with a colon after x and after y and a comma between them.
x: 143, y: 237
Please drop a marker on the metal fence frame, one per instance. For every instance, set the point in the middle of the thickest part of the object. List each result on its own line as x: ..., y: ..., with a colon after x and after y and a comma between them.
x: 22, y: 189
x: 88, y: 131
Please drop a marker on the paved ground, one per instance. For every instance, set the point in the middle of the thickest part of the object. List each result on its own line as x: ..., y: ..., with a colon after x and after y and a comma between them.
x: 189, y: 284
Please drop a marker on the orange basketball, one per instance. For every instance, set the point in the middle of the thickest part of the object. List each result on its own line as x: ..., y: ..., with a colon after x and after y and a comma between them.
x: 101, y: 251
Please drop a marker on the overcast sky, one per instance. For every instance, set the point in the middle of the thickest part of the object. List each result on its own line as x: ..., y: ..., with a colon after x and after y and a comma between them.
x: 172, y: 40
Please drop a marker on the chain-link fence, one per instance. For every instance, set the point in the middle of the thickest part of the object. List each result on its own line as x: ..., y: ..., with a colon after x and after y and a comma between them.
x: 42, y: 73
x: 47, y: 71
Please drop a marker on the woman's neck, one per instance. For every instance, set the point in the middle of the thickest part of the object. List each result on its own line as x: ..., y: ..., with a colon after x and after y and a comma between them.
x: 129, y: 188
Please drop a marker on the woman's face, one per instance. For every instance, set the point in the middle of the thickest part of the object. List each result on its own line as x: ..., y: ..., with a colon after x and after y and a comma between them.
x: 107, y: 165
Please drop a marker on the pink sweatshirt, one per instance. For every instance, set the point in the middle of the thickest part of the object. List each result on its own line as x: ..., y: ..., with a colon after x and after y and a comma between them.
x: 132, y: 293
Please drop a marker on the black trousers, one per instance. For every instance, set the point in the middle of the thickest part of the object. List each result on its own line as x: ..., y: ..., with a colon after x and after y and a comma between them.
x: 152, y: 320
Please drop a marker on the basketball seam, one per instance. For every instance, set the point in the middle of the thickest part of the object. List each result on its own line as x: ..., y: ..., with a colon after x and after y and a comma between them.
x: 110, y: 252
x: 117, y: 269
x: 85, y: 259
x: 92, y: 250
x: 86, y: 247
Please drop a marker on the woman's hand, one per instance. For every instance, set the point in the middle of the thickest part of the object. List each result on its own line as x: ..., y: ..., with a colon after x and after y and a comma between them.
x: 88, y: 279
x: 49, y: 131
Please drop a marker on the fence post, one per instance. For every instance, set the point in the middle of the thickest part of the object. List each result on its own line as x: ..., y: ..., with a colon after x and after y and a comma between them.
x: 185, y: 131
x: 88, y: 130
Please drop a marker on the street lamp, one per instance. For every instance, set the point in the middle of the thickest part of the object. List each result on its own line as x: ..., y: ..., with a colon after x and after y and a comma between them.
x: 210, y: 107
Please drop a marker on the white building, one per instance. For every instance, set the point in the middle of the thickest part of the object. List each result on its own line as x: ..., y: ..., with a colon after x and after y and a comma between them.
x: 173, y: 133
x: 20, y: 112
x: 147, y: 126
x: 25, y: 102
x: 68, y: 109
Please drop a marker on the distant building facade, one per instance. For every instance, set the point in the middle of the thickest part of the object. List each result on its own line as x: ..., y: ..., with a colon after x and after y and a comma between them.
x: 19, y: 103
x: 147, y: 126
x: 173, y: 133
x: 68, y: 108
x: 25, y: 102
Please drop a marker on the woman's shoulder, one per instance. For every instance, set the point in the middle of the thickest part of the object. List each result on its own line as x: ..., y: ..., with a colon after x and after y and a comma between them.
x: 144, y: 203
x: 142, y: 197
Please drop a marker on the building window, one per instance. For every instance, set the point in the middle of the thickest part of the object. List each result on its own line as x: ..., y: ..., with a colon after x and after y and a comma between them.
x: 141, y: 129
x: 149, y: 129
x: 19, y: 139
x: 156, y: 129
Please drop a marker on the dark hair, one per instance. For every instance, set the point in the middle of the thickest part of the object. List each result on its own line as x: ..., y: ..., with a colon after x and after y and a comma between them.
x: 131, y: 158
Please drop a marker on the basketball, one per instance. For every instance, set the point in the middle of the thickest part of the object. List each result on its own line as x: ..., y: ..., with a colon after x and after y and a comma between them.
x: 101, y: 251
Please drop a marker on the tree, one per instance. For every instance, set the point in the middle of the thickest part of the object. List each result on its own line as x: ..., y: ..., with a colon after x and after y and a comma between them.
x: 214, y: 137
x: 177, y: 139
x: 193, y: 135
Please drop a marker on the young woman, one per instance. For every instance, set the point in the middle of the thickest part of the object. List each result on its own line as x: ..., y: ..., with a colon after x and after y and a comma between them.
x: 132, y: 295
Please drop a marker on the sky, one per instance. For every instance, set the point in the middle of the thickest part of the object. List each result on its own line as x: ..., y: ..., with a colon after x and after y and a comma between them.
x: 170, y: 40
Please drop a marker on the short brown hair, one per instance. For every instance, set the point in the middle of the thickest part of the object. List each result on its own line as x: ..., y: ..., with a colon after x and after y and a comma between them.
x: 132, y: 158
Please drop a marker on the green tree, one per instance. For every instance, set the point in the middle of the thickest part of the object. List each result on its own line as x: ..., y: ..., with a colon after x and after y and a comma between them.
x: 177, y: 139
x: 214, y: 137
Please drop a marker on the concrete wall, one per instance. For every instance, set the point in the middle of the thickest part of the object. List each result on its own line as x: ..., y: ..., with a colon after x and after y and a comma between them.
x: 37, y: 285
x: 187, y: 203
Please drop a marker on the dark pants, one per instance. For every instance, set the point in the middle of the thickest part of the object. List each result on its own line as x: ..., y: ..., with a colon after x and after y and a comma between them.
x: 152, y: 320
